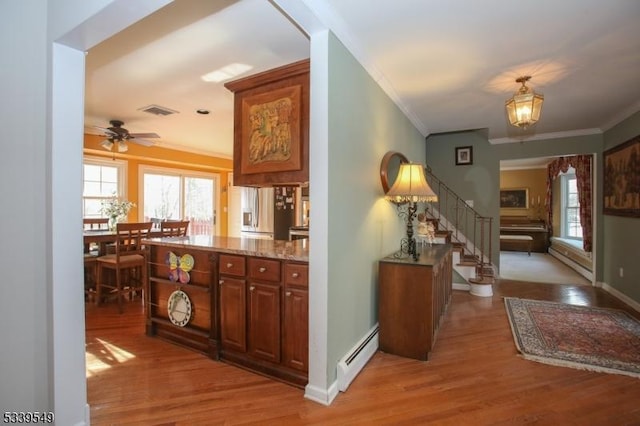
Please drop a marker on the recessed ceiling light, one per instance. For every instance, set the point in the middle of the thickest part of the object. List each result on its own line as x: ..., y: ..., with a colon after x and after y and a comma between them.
x: 225, y: 73
x: 202, y: 111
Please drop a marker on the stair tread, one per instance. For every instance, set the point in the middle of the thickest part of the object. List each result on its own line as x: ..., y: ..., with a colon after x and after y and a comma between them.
x: 483, y: 280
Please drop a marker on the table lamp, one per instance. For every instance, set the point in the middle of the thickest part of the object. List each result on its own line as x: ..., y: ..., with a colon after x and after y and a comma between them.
x: 410, y: 188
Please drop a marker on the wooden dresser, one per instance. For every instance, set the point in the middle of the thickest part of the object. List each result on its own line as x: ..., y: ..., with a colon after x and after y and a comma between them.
x: 413, y: 297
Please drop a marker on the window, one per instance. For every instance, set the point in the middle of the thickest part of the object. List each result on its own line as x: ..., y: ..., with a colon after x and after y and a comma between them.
x: 571, y: 227
x: 178, y: 194
x: 101, y: 180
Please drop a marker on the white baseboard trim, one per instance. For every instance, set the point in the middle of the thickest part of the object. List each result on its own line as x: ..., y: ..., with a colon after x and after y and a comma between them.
x: 571, y: 264
x: 354, y: 361
x: 321, y: 396
x: 623, y: 297
x: 87, y: 416
x: 461, y: 286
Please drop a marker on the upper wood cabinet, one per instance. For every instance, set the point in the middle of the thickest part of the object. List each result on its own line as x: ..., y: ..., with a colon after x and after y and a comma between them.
x: 271, y: 126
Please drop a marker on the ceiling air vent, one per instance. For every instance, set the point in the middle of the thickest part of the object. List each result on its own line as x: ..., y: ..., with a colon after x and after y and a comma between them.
x: 158, y: 110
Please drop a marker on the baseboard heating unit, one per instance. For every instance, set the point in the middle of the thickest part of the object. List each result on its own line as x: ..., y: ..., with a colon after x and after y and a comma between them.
x: 355, y: 360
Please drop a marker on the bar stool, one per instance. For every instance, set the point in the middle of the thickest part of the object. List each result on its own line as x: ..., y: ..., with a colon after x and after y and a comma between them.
x: 128, y: 264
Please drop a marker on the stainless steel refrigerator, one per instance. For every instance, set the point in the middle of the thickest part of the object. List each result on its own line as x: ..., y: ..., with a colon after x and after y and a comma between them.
x: 257, y: 212
x: 267, y: 212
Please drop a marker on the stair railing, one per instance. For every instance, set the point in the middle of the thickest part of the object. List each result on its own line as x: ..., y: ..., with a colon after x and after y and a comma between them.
x: 469, y: 230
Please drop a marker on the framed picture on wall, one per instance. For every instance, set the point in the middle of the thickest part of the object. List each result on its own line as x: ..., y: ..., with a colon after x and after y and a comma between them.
x: 622, y: 179
x: 514, y: 198
x: 464, y: 155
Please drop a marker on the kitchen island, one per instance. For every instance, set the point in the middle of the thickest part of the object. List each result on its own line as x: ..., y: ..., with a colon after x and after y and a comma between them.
x: 239, y: 300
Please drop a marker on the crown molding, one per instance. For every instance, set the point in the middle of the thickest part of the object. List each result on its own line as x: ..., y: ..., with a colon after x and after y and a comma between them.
x: 547, y: 136
x: 327, y: 15
x: 191, y: 150
x: 623, y: 115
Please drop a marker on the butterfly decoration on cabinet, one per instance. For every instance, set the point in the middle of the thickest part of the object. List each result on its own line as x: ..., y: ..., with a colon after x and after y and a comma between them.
x: 179, y: 267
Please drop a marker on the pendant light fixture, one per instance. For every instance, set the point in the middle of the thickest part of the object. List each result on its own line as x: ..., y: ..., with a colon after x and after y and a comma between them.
x: 525, y: 106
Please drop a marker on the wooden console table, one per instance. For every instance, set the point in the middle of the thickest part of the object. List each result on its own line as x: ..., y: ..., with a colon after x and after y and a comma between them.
x: 413, y: 298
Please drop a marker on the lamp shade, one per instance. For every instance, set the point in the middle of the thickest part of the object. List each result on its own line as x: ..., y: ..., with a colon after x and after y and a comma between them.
x: 525, y: 106
x: 411, y: 185
x: 107, y: 144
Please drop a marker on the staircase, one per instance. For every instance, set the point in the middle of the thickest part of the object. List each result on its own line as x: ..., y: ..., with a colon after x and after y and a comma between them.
x: 469, y: 232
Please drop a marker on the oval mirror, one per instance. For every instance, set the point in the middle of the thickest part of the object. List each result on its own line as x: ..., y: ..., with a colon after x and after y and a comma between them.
x: 389, y: 168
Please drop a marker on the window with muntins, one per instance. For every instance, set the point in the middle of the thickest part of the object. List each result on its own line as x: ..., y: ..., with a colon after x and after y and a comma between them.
x: 571, y: 226
x: 174, y: 194
x: 101, y: 180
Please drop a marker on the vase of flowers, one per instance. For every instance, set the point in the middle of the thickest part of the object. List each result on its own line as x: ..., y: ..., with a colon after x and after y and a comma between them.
x: 116, y: 210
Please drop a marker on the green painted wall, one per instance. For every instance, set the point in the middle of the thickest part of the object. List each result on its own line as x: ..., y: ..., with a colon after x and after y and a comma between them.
x: 364, y: 123
x: 479, y: 182
x: 621, y: 234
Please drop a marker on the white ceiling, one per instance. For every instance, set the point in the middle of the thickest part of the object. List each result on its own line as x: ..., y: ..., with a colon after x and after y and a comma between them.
x: 450, y: 65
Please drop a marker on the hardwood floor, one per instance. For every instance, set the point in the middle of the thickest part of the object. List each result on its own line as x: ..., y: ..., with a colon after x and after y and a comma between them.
x: 474, y: 377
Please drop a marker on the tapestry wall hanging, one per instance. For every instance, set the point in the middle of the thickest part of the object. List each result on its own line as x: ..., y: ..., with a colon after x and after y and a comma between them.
x: 622, y: 179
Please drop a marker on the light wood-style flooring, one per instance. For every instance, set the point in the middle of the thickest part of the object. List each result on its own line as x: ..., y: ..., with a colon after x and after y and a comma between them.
x: 474, y: 377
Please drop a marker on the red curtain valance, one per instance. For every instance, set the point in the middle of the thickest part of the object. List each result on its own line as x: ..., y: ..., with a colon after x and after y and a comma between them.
x: 582, y: 165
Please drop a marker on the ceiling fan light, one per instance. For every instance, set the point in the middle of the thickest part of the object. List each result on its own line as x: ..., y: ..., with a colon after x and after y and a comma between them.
x: 107, y: 144
x: 122, y: 146
x: 525, y: 106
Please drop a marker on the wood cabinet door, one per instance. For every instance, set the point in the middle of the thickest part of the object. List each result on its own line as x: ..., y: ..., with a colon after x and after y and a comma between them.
x: 233, y: 304
x: 295, y: 344
x: 264, y: 321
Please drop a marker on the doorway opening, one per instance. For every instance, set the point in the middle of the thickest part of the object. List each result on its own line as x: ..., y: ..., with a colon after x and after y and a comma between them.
x: 553, y: 252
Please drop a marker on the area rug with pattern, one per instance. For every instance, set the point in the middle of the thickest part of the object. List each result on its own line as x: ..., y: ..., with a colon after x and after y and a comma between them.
x: 596, y: 339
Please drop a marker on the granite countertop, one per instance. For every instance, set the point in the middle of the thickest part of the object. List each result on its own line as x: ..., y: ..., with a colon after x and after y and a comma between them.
x: 287, y: 250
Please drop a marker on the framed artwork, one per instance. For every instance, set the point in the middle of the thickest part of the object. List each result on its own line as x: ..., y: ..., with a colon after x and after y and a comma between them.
x: 514, y: 198
x: 464, y: 155
x: 622, y: 179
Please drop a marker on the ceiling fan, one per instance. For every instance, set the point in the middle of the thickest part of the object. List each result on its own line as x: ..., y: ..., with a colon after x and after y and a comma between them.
x: 118, y: 135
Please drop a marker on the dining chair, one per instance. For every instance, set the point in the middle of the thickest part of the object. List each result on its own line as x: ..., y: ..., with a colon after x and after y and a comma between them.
x: 174, y: 228
x: 90, y: 267
x: 128, y: 264
x: 91, y: 253
x: 156, y: 221
x: 95, y: 223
